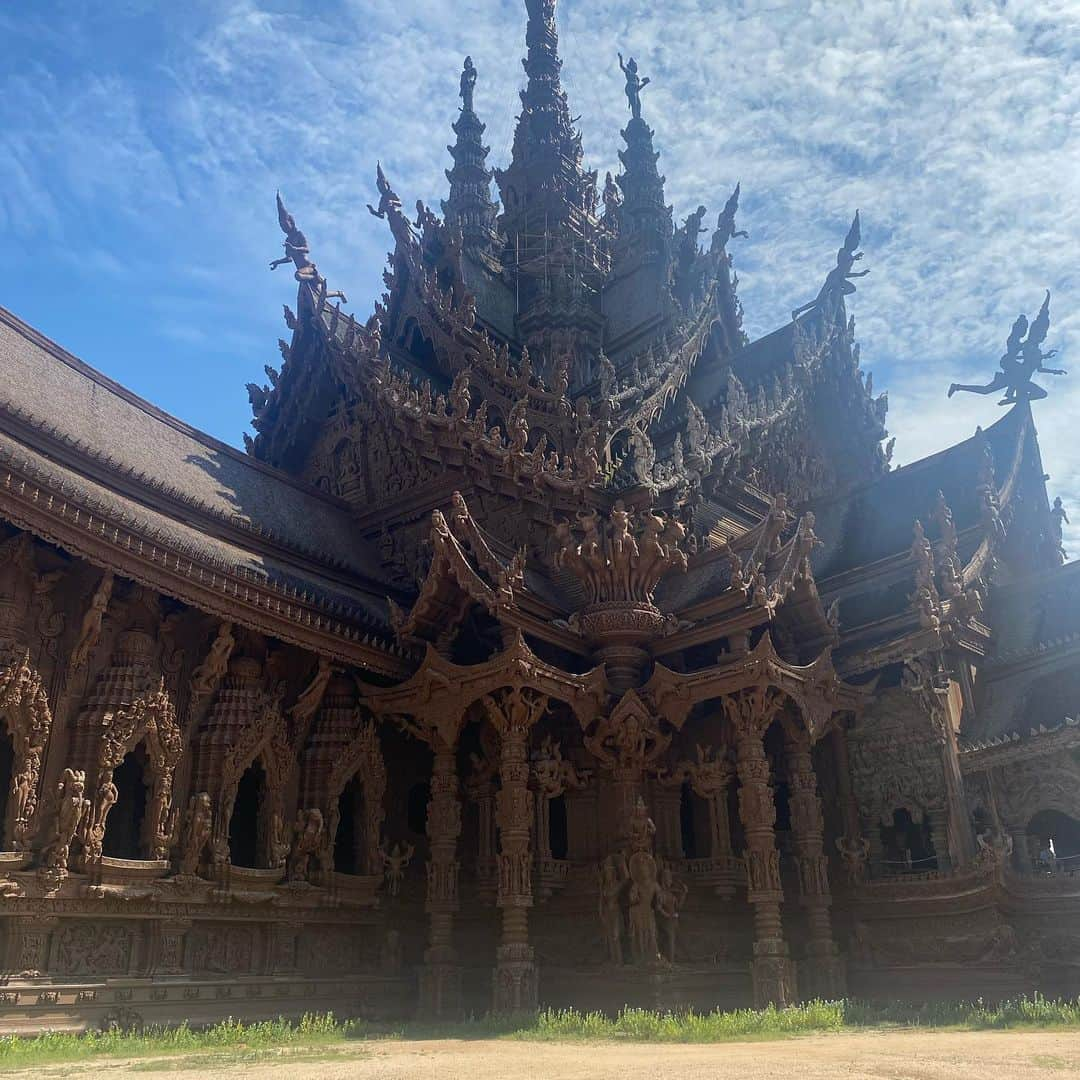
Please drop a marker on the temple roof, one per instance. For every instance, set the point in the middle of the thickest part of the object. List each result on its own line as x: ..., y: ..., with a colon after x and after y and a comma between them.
x: 148, y: 475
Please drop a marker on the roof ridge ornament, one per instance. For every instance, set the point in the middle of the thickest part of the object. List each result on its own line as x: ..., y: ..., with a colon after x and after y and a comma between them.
x: 1022, y: 360
x: 838, y: 282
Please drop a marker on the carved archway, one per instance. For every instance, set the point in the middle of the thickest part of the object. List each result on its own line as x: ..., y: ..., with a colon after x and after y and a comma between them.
x: 25, y: 712
x: 151, y: 722
x: 363, y: 760
x: 264, y: 739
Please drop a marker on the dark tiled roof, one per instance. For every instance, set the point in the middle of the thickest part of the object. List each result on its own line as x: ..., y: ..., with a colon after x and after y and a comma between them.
x: 874, y: 522
x: 78, y: 415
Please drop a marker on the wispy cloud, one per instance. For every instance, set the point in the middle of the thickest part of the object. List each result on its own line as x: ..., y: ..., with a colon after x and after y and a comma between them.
x: 951, y: 125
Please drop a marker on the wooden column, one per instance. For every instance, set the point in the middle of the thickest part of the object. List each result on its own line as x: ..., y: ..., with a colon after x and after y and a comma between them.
x: 512, y: 714
x: 772, y: 969
x: 440, y: 977
x: 821, y: 976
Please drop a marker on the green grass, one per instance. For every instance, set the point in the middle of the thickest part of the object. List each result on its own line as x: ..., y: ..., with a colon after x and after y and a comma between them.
x: 315, y: 1036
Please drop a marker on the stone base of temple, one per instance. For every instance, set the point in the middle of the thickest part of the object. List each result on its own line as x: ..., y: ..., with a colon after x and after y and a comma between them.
x: 516, y: 979
x: 773, y: 975
x: 439, y: 991
x: 29, y: 1006
x: 822, y: 973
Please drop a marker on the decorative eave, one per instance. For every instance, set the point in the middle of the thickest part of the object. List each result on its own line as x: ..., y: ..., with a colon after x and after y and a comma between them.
x: 36, y: 497
x: 442, y: 689
x: 771, y: 579
x: 815, y: 688
x: 453, y: 582
x: 1012, y: 748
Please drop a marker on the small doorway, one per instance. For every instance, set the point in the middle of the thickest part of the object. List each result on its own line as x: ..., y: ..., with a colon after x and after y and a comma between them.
x: 124, y: 825
x: 245, y: 826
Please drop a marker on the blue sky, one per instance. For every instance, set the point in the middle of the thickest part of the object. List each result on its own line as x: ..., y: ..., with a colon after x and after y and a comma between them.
x: 141, y: 144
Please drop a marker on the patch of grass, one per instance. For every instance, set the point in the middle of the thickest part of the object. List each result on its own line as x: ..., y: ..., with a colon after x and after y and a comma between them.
x: 53, y: 1046
x: 317, y: 1036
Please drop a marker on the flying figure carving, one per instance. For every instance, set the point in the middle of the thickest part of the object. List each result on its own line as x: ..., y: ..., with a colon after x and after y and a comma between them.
x: 838, y: 281
x: 1022, y: 360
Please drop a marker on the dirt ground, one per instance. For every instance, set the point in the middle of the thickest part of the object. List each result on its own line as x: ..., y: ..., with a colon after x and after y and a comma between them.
x: 863, y: 1056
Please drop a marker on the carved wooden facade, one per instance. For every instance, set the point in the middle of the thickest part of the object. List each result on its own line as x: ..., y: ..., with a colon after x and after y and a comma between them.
x: 552, y: 643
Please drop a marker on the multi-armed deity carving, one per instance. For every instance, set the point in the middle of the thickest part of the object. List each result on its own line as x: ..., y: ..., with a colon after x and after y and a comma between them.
x: 395, y: 863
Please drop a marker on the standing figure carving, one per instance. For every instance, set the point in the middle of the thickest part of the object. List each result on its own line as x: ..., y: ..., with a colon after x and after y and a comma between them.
x: 634, y: 85
x: 210, y: 671
x: 468, y: 85
x: 670, y: 896
x: 643, y: 893
x: 613, y: 878
x: 198, y: 825
x: 307, y: 838
x: 70, y: 811
x: 395, y: 863
x: 90, y: 630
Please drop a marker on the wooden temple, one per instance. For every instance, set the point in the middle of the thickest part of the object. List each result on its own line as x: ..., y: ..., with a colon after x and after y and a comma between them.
x: 552, y: 643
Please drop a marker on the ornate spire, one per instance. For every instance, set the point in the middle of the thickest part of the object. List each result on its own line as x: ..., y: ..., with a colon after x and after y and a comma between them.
x: 469, y: 206
x: 544, y: 186
x: 643, y: 215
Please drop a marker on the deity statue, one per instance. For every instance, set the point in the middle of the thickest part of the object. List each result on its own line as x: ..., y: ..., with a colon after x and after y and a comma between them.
x: 670, y: 897
x: 838, y: 281
x: 613, y: 875
x: 307, y: 838
x: 296, y: 246
x: 1023, y: 359
x: 395, y: 863
x: 642, y: 896
x: 206, y: 675
x: 468, y: 84
x: 90, y: 630
x: 634, y: 85
x: 725, y: 224
x: 612, y: 201
x: 280, y: 841
x: 95, y: 826
x: 1058, y: 520
x: 70, y: 810
x: 198, y: 824
x: 389, y: 209
x: 855, y: 855
x: 311, y: 698
x: 641, y: 829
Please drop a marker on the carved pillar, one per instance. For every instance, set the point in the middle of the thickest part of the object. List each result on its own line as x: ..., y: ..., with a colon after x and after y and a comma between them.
x: 515, y: 979
x: 515, y: 971
x: 542, y: 806
x: 849, y: 806
x: 821, y: 975
x: 487, y: 863
x: 440, y: 978
x: 938, y: 820
x: 773, y: 971
x: 719, y: 825
x: 668, y: 808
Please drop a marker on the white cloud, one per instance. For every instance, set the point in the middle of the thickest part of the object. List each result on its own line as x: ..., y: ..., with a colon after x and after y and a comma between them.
x: 951, y: 125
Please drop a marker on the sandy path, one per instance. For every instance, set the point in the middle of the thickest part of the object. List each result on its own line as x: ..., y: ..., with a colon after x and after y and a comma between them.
x: 863, y: 1056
